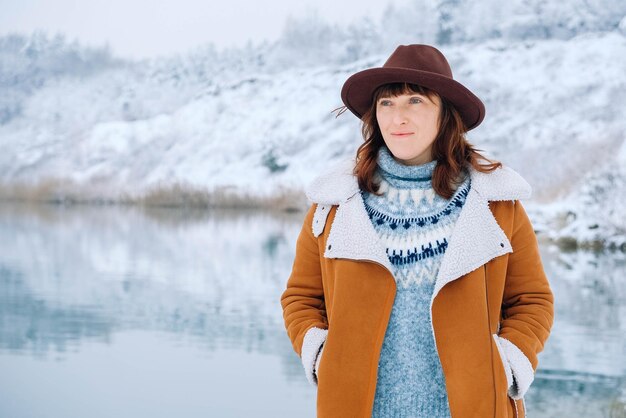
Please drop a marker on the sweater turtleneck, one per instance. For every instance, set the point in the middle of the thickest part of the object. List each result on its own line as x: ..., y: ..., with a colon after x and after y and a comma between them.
x: 402, y: 175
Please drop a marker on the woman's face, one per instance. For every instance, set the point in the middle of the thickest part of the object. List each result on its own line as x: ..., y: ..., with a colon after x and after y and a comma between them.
x: 409, y: 124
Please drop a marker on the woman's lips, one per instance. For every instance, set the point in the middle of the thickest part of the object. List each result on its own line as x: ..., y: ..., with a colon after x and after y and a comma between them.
x: 401, y: 133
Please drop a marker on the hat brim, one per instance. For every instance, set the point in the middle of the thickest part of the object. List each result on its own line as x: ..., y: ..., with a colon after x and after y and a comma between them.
x: 359, y: 88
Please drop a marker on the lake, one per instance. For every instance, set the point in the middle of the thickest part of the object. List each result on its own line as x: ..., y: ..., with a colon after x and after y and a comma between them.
x: 132, y: 312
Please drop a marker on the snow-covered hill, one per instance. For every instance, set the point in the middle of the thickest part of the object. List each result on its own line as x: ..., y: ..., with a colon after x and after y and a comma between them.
x: 252, y: 126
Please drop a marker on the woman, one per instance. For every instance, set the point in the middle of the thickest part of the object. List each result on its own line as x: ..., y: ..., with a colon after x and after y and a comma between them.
x: 417, y: 288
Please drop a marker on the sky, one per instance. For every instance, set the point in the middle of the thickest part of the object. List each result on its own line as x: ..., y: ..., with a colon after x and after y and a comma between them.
x: 149, y: 28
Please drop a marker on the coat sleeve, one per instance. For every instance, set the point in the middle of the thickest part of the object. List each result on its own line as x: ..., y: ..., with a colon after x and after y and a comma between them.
x: 304, y: 309
x: 528, y: 305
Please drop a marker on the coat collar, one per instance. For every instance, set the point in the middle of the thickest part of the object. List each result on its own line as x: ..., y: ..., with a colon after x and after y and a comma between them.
x: 338, y: 184
x: 476, y: 237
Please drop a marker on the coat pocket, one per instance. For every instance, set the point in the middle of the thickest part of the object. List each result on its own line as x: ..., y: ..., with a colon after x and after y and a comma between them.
x: 313, y: 339
x: 318, y: 360
x: 517, y: 407
x: 505, y: 362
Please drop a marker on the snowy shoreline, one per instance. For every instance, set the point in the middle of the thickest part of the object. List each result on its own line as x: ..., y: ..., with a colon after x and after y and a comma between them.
x: 551, y: 228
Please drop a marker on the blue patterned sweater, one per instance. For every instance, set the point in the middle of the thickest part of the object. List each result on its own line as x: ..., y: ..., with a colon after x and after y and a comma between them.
x: 415, y: 224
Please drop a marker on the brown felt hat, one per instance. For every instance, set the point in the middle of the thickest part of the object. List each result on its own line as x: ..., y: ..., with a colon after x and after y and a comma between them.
x: 416, y: 64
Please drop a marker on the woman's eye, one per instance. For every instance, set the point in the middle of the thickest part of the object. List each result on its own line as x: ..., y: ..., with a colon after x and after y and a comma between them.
x: 415, y: 100
x: 384, y: 102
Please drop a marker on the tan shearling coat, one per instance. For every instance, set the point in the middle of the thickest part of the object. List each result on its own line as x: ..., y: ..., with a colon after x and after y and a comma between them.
x: 491, y: 309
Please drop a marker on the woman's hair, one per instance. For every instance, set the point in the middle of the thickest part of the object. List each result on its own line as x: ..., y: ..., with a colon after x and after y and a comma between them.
x: 450, y: 148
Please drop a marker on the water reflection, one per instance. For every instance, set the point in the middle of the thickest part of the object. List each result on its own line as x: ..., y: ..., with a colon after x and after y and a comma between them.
x: 190, y: 299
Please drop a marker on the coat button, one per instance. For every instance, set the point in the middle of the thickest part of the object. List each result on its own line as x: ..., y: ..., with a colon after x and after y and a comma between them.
x: 330, y: 246
x: 502, y: 244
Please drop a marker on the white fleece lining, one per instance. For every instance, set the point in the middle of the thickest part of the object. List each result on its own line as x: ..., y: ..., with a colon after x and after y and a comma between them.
x: 319, y: 219
x: 505, y: 363
x: 521, y: 368
x: 335, y: 185
x: 353, y: 236
x: 476, y: 238
x: 313, y: 340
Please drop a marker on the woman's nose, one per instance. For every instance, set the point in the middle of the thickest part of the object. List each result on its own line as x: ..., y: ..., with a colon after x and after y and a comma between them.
x: 399, y: 116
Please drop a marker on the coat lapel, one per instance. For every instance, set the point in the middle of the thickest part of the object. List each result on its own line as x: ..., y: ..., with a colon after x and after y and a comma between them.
x: 476, y: 237
x: 353, y: 236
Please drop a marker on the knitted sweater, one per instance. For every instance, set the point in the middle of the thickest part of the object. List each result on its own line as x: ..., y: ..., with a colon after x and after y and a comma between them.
x: 414, y: 223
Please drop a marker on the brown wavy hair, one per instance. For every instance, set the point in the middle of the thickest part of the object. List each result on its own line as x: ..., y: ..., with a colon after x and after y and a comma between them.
x: 451, y: 149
